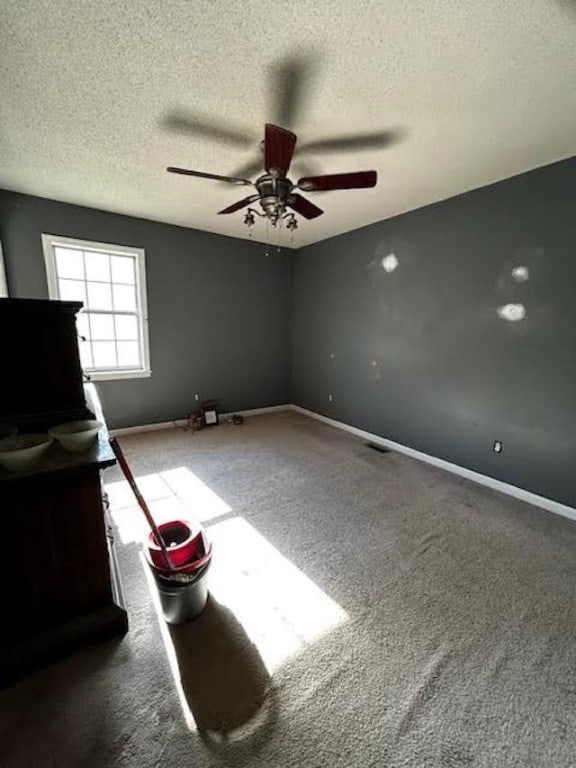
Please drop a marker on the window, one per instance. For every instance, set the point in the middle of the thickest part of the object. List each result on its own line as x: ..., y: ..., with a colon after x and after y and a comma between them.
x: 110, y: 281
x: 3, y: 282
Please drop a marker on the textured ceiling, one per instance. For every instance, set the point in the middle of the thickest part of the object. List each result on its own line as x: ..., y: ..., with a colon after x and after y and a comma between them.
x: 476, y: 91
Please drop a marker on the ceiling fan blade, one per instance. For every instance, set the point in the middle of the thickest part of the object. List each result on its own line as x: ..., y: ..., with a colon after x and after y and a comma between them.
x: 358, y: 180
x: 353, y: 142
x: 278, y: 148
x: 189, y: 124
x: 215, y: 176
x: 288, y: 81
x: 304, y: 207
x: 240, y: 204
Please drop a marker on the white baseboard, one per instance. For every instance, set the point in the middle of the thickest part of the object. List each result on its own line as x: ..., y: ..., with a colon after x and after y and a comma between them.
x: 148, y: 427
x: 182, y: 422
x: 258, y: 411
x: 469, y: 474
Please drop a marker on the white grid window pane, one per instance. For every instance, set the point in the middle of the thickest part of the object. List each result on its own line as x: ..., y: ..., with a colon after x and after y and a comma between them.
x: 99, y: 296
x: 72, y: 290
x: 104, y: 354
x: 69, y: 263
x: 86, y: 360
x: 123, y: 269
x: 97, y: 266
x: 102, y: 327
x: 128, y: 353
x: 124, y: 298
x: 110, y: 284
x: 126, y: 327
x: 82, y: 325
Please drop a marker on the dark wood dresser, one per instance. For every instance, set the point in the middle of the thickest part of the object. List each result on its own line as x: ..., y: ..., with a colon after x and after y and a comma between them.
x: 59, y: 586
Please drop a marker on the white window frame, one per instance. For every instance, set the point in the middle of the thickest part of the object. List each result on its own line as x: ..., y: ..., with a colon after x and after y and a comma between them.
x: 3, y: 282
x: 49, y: 242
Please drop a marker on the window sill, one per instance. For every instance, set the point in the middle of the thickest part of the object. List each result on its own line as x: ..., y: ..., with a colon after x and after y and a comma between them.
x: 109, y: 375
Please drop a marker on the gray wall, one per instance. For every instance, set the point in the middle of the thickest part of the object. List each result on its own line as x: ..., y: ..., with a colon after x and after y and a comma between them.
x: 218, y: 308
x: 420, y: 354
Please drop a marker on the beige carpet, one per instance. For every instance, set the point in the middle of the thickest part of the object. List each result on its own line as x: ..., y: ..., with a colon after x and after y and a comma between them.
x: 366, y: 610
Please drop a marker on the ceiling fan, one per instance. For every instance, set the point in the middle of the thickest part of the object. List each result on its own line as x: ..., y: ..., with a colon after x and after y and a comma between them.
x: 289, y: 81
x: 275, y: 191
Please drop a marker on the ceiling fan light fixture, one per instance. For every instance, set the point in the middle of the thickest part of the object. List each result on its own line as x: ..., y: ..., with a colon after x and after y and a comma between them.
x: 292, y: 223
x: 249, y: 219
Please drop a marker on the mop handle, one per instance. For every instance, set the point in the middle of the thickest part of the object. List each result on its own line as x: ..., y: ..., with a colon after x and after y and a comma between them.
x: 115, y: 445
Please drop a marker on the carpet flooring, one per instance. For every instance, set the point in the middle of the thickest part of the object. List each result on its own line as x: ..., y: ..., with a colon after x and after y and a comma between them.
x: 366, y: 610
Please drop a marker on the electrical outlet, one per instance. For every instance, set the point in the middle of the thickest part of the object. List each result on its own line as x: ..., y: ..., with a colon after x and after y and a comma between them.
x: 330, y: 398
x: 497, y: 447
x: 196, y: 397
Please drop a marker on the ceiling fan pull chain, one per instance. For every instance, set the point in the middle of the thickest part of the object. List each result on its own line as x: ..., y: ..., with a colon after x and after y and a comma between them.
x: 278, y: 248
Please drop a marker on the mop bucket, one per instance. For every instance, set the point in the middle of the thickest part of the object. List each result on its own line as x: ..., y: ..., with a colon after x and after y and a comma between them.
x: 183, y: 591
x: 179, y: 555
x: 183, y: 539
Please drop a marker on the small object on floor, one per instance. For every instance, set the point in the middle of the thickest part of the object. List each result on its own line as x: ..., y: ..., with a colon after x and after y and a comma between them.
x: 209, y: 410
x: 195, y: 421
x: 237, y: 418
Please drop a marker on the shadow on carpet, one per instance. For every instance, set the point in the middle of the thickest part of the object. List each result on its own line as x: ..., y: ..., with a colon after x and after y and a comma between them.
x: 222, y: 673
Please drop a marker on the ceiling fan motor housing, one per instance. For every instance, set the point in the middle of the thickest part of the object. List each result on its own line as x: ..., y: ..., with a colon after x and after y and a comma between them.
x: 273, y: 191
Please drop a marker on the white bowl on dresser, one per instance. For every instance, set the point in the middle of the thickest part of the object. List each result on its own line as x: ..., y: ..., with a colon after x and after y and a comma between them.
x: 21, y: 452
x: 76, y: 436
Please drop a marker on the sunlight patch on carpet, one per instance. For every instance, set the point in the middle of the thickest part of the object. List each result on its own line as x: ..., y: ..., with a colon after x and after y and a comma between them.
x: 171, y: 495
x: 280, y: 608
